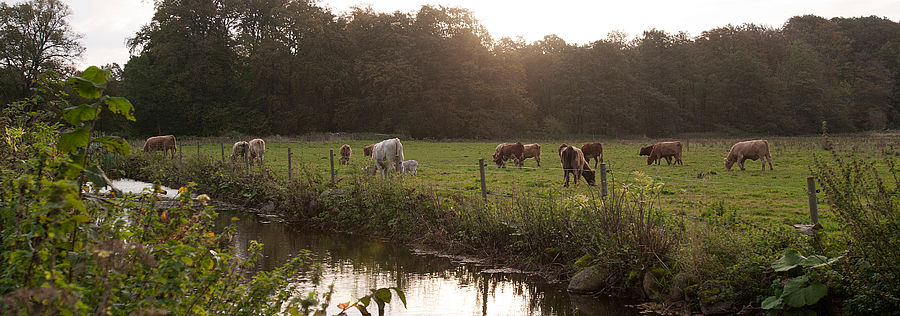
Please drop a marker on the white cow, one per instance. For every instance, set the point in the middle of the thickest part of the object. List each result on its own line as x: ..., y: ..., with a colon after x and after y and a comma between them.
x: 388, y: 151
x: 257, y: 151
x: 409, y: 166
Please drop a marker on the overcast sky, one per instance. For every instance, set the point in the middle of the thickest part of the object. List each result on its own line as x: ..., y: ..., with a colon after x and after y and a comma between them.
x: 106, y: 24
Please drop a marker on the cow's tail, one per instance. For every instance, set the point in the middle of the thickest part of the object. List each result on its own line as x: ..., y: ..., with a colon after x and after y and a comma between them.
x: 768, y: 152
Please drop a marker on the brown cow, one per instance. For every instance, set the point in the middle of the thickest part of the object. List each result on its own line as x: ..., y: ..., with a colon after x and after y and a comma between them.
x: 593, y: 150
x: 532, y: 151
x: 504, y: 152
x: 560, y: 149
x: 161, y: 143
x: 573, y: 161
x: 667, y: 150
x: 367, y: 150
x: 751, y: 149
x: 345, y: 154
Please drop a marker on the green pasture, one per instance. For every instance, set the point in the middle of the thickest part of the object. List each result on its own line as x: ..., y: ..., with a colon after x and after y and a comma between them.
x: 701, y: 185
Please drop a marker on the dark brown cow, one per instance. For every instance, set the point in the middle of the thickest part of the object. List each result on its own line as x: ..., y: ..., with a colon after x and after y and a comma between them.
x: 667, y: 150
x: 751, y: 149
x: 593, y: 150
x: 345, y: 154
x: 504, y: 152
x: 161, y: 143
x: 367, y: 150
x: 573, y: 161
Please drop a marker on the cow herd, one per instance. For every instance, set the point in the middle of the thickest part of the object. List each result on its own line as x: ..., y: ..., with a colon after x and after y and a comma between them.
x: 388, y: 155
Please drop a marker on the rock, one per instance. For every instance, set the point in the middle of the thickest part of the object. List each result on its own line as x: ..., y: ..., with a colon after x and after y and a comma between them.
x: 649, y: 286
x: 715, y: 298
x: 679, y: 283
x: 594, y: 279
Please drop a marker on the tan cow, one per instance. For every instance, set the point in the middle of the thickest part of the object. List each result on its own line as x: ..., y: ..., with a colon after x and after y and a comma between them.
x: 593, y: 150
x: 161, y: 143
x: 751, y: 149
x: 345, y: 154
x: 572, y: 160
x: 667, y: 150
x: 367, y: 150
x: 532, y: 151
x: 257, y: 151
x: 239, y: 149
x: 507, y: 151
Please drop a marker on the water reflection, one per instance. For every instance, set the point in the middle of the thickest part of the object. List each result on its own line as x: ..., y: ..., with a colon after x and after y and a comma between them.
x: 433, y: 285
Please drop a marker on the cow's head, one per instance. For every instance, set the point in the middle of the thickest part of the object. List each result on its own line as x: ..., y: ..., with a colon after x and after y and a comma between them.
x: 367, y: 150
x: 728, y: 163
x: 588, y: 176
x: 645, y: 151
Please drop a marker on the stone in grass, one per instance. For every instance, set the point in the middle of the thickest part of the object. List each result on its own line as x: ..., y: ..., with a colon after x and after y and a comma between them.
x: 594, y: 279
x: 715, y: 298
x: 679, y: 283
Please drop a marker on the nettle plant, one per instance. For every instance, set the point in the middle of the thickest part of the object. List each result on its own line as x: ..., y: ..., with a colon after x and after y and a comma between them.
x: 796, y: 295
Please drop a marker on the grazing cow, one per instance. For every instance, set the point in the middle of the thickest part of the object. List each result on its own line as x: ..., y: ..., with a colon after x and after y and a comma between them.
x: 593, y: 150
x: 506, y: 151
x: 409, y: 166
x: 751, y: 149
x: 257, y: 151
x: 367, y: 150
x: 561, y: 147
x: 532, y: 151
x: 388, y: 151
x: 667, y: 150
x: 645, y: 151
x: 573, y: 161
x: 345, y: 154
x: 161, y: 143
x: 240, y: 149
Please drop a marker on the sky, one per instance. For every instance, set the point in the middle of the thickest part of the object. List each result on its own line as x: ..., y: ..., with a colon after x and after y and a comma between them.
x: 105, y: 24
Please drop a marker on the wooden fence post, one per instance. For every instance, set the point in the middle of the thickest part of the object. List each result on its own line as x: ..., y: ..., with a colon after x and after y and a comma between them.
x: 331, y: 155
x: 813, y: 203
x: 483, y: 184
x: 290, y: 168
x: 603, y: 180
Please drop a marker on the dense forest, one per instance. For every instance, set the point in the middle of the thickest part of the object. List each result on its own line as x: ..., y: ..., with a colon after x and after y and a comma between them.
x: 291, y: 66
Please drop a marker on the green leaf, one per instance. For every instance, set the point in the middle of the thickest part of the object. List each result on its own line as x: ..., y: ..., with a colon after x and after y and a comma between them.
x: 187, y: 260
x: 789, y: 260
x: 96, y: 75
x: 401, y: 295
x: 73, y: 140
x: 384, y: 295
x: 120, y: 105
x: 365, y: 300
x: 807, y: 296
x: 114, y: 144
x: 77, y: 114
x: 771, y: 302
x: 85, y: 88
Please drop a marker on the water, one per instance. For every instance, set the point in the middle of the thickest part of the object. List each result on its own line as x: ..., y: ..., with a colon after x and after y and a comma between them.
x: 132, y: 186
x: 433, y: 285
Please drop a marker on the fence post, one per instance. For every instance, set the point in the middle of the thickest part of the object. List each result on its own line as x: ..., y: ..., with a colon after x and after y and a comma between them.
x: 813, y: 204
x: 222, y: 147
x: 483, y: 185
x: 331, y: 155
x: 603, y: 180
x: 290, y: 168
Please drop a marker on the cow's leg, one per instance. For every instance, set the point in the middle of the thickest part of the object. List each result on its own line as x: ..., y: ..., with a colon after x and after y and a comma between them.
x: 769, y: 159
x: 596, y: 161
x: 741, y: 162
x: 577, y: 174
x: 566, y: 175
x: 668, y: 160
x: 538, y: 159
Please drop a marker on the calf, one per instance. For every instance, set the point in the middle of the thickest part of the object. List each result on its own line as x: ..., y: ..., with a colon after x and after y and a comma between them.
x: 751, y: 149
x: 345, y: 154
x: 593, y: 150
x: 409, y: 166
x: 532, y: 151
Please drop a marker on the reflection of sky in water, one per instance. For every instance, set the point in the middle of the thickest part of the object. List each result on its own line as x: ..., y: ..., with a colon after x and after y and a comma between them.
x: 132, y: 186
x: 433, y: 285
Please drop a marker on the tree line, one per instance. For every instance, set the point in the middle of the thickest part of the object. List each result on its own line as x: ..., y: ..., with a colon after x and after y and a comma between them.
x: 289, y: 67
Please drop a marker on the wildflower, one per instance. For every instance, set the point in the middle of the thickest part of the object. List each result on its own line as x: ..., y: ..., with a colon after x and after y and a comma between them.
x: 203, y: 198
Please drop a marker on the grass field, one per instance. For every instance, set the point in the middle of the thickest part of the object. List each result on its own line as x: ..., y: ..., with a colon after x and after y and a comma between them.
x: 701, y: 185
